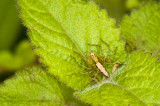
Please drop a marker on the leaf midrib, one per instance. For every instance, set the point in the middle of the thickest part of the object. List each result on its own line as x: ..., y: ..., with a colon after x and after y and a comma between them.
x: 77, y: 47
x: 130, y: 92
x: 116, y: 84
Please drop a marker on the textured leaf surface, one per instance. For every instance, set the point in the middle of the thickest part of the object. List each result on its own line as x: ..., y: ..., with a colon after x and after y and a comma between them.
x: 61, y: 31
x: 141, y: 30
x: 9, y: 23
x: 22, y: 57
x: 137, y: 83
x: 34, y: 87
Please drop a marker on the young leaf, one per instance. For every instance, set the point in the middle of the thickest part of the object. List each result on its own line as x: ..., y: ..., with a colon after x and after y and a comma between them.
x: 137, y: 83
x: 130, y: 4
x: 35, y: 87
x: 62, y: 32
x: 141, y: 29
x: 22, y: 57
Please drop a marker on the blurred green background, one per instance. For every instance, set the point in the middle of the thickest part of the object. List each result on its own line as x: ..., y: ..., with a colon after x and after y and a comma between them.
x: 16, y: 51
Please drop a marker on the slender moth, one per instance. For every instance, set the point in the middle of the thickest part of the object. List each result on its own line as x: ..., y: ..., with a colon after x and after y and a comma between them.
x: 99, y: 65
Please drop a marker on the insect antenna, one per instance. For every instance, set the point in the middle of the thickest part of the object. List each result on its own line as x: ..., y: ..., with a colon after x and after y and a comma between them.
x: 101, y: 50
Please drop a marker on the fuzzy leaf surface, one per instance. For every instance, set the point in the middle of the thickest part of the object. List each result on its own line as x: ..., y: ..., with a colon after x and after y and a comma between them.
x: 34, y: 87
x: 61, y: 32
x: 141, y: 29
x: 137, y: 83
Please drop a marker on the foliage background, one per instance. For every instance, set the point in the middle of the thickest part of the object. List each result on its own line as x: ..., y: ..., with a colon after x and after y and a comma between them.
x: 16, y: 54
x: 14, y: 46
x: 15, y: 50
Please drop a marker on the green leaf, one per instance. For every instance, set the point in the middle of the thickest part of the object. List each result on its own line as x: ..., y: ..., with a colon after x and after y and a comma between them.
x: 141, y: 29
x: 61, y: 32
x: 137, y: 83
x: 9, y: 24
x: 34, y: 87
x: 22, y: 57
x: 130, y: 4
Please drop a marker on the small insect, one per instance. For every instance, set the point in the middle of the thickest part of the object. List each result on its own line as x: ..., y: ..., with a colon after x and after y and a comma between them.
x: 99, y: 65
x: 92, y: 63
x: 115, y: 66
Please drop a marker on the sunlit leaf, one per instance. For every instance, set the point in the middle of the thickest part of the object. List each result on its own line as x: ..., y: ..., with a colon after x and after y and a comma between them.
x: 61, y: 32
x: 141, y: 29
x: 34, y: 87
x: 137, y: 83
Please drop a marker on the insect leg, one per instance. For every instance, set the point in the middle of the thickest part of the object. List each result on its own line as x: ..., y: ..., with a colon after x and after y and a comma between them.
x: 114, y: 53
x: 109, y: 49
x: 156, y: 53
x: 86, y: 73
x: 80, y: 56
x: 80, y: 64
x: 96, y: 75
